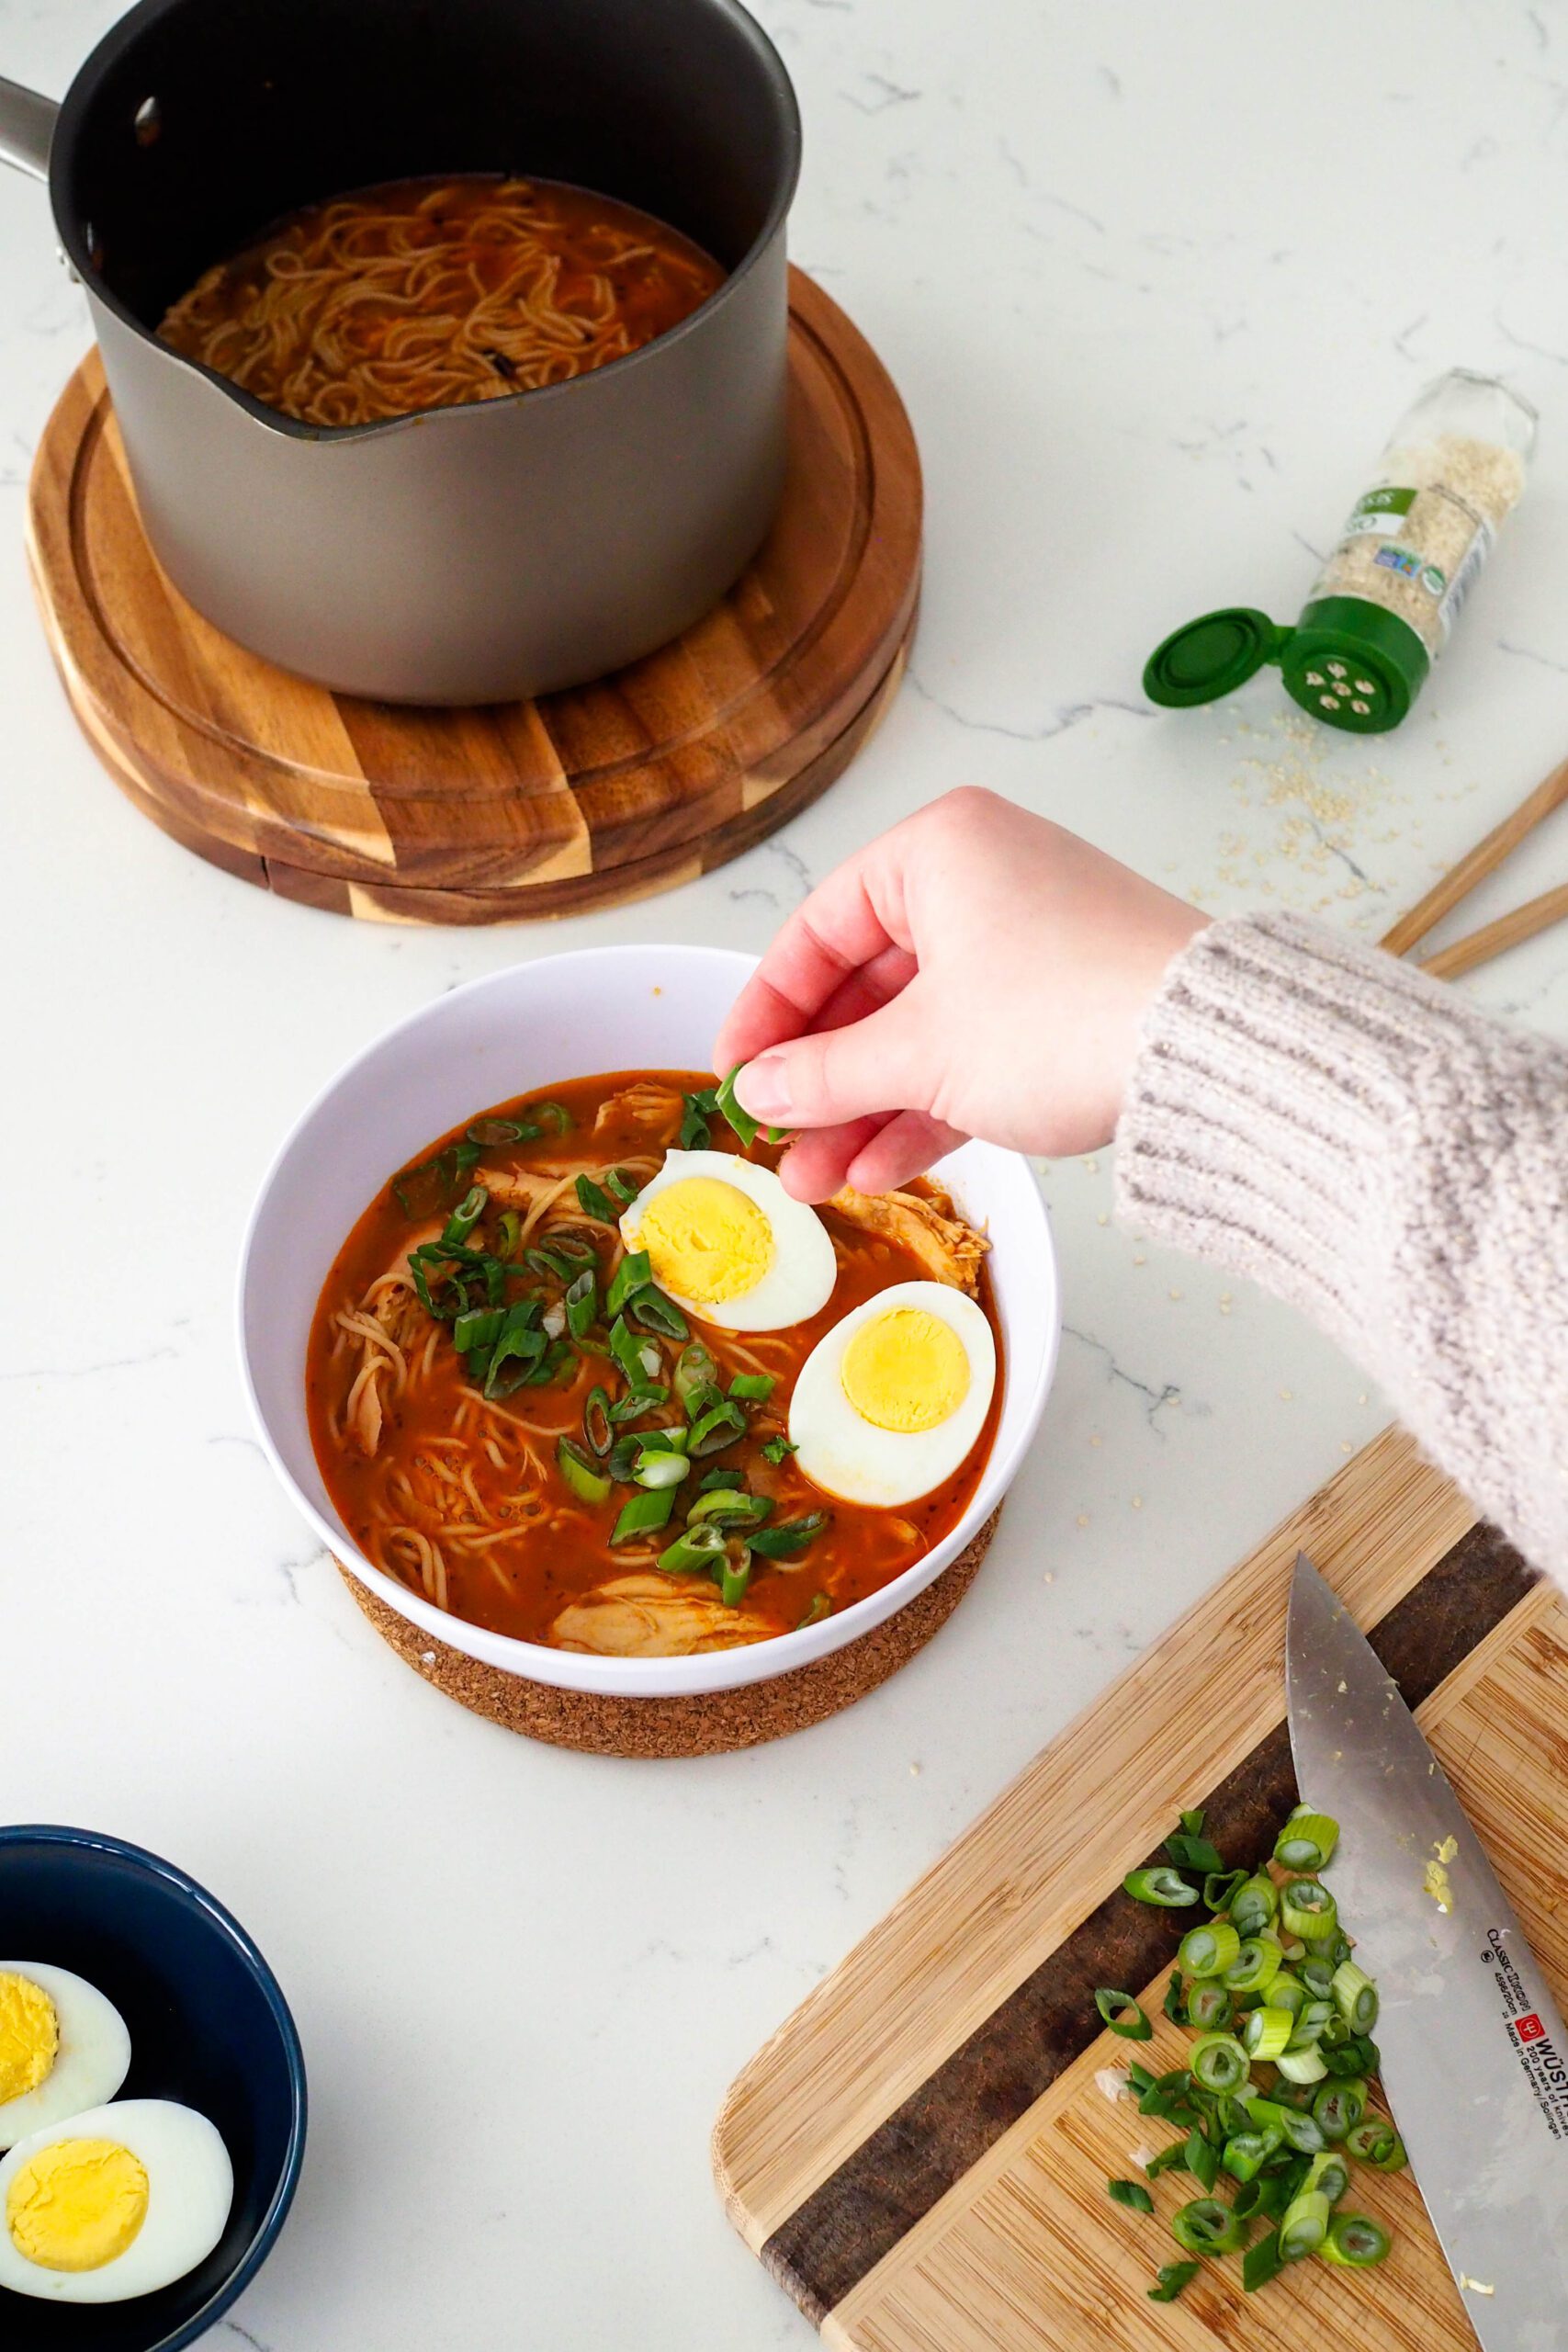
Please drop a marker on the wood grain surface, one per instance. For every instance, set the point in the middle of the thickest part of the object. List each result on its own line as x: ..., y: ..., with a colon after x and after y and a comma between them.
x: 629, y: 784
x: 920, y: 2156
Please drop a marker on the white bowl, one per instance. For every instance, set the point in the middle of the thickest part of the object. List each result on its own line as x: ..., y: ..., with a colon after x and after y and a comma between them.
x: 560, y: 1017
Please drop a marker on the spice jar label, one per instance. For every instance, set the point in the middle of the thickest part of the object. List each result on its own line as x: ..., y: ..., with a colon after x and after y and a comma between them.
x: 1379, y: 513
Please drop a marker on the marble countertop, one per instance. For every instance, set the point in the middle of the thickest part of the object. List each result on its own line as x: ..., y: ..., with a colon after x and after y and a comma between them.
x: 1154, y: 283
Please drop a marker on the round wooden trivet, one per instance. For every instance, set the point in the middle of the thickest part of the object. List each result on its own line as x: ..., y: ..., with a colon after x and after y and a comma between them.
x: 634, y: 783
x: 716, y: 1723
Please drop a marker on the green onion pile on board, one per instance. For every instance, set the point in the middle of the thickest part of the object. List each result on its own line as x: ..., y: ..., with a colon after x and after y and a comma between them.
x: 1268, y: 1981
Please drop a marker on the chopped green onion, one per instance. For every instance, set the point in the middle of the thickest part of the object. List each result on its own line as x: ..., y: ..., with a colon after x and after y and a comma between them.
x: 778, y: 1449
x: 1317, y: 1976
x: 1253, y: 1905
x: 622, y: 1459
x: 1123, y: 2014
x: 640, y: 1401
x: 1262, y: 2263
x: 819, y: 1607
x: 735, y: 1575
x: 478, y: 1327
x: 1266, y: 2032
x: 596, y: 1203
x: 718, y: 1427
x: 1255, y: 1965
x: 508, y: 1233
x: 1355, y: 2241
x: 1171, y: 2158
x: 1162, y: 2093
x: 488, y: 1132
x: 1189, y: 1853
x: 1192, y: 1820
x: 1219, y: 1886
x: 1208, y: 2005
x: 1307, y: 1840
x: 632, y: 1273
x: 1218, y: 2062
x: 466, y: 1214
x: 695, y: 1111
x: 1356, y: 1995
x: 652, y: 1311
x: 1132, y: 2193
x: 624, y: 1187
x: 1300, y: 2066
x: 1372, y: 2141
x: 1307, y: 1909
x: 1159, y: 1884
x: 633, y: 1355
x: 518, y: 1344
x: 695, y: 1370
x: 744, y: 1124
x: 1206, y: 2226
x: 1339, y: 2107
x: 1304, y: 2225
x: 596, y: 1423
x: 1288, y: 1992
x: 1172, y: 2277
x: 582, y: 1475
x: 548, y: 1261
x: 752, y: 1387
x: 1328, y: 2173
x: 1209, y: 1950
x: 1312, y: 2021
x: 791, y: 1535
x: 1247, y: 2153
x: 550, y: 1114
x: 660, y: 1469
x: 582, y: 1304
x: 697, y: 1548
x: 1172, y: 2003
x: 1297, y: 2130
x: 730, y: 1507
x: 648, y: 1508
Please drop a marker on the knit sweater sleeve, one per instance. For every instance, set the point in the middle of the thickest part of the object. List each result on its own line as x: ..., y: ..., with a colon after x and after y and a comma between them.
x: 1365, y: 1143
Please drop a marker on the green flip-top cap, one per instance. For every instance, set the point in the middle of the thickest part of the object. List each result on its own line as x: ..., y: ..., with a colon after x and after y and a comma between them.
x: 1350, y: 662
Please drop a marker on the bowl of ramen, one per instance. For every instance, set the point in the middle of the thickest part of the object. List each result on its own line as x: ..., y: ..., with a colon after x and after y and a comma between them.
x: 551, y: 1363
x: 447, y: 342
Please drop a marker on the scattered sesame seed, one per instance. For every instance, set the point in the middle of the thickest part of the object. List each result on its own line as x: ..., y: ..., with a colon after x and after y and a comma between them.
x: 1096, y: 1440
x: 914, y: 1772
x: 1346, y: 1446
x: 427, y: 1658
x: 1286, y: 1394
x: 1137, y: 1502
x: 1083, y: 1519
x: 1139, y: 1259
x: 1102, y: 1218
x: 1176, y: 1294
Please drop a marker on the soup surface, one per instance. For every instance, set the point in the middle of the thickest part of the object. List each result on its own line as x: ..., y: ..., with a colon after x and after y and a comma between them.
x: 430, y: 293
x: 490, y: 1375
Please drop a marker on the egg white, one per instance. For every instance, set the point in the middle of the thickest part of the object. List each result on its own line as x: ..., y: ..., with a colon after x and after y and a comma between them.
x: 799, y: 1279
x: 91, y: 2063
x: 191, y: 2188
x: 852, y: 1458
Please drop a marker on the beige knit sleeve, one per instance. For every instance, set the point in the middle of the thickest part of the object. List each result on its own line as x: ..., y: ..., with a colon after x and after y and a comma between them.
x: 1365, y: 1143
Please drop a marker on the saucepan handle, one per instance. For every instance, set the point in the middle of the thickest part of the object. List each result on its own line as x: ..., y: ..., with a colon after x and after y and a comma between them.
x: 27, y: 126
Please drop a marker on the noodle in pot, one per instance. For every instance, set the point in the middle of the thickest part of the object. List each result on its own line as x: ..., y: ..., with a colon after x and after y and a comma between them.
x: 426, y: 294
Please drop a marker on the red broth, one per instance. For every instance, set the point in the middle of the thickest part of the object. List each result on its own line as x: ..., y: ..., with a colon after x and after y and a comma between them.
x: 430, y: 293
x: 462, y: 1498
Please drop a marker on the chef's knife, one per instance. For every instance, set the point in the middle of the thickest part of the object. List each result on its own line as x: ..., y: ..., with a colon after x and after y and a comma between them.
x: 1474, y: 2057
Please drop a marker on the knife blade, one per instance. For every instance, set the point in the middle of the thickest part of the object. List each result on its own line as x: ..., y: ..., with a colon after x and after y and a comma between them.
x: 1475, y: 2056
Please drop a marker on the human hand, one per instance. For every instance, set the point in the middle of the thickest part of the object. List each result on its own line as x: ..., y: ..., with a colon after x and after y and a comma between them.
x: 977, y: 971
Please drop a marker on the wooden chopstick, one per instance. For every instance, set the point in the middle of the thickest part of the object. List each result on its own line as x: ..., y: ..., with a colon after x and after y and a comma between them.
x: 1509, y: 931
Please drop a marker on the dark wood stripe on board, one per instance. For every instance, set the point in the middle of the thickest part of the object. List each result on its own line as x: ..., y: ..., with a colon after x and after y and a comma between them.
x: 845, y: 2228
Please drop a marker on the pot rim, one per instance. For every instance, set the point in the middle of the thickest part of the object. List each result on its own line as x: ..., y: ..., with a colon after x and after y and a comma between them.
x: 122, y: 35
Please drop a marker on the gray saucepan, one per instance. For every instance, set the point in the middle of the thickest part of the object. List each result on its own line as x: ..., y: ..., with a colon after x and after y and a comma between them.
x: 466, y: 554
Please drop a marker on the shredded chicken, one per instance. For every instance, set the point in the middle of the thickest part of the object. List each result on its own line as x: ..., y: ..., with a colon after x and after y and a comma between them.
x: 647, y: 1104
x: 519, y: 1188
x: 928, y: 1227
x: 655, y: 1616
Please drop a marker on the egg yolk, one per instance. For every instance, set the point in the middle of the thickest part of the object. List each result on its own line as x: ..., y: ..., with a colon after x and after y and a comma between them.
x: 30, y: 2035
x: 906, y: 1369
x: 77, y: 2204
x: 705, y: 1240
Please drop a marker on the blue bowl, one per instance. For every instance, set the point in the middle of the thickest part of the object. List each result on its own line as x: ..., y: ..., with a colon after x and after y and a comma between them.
x: 208, y: 2027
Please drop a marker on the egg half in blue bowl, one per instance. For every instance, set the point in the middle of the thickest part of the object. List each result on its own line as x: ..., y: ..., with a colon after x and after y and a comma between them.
x: 152, y: 2099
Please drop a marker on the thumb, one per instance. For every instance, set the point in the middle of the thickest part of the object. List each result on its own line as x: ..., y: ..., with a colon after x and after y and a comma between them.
x: 883, y: 1063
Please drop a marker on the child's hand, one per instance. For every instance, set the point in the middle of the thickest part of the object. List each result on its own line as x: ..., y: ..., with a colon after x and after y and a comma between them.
x: 977, y: 971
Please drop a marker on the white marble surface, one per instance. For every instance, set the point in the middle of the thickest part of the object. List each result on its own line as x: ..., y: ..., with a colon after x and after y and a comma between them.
x: 1154, y: 282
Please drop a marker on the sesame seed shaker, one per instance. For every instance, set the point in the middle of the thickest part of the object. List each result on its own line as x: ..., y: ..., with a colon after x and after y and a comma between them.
x: 1390, y: 592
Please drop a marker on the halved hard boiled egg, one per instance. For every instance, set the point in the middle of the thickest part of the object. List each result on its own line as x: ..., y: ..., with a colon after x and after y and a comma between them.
x: 115, y: 2201
x: 62, y: 2046
x: 727, y: 1242
x: 889, y: 1403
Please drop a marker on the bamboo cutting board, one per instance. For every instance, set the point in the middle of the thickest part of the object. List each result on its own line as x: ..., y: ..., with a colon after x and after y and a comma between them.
x: 920, y: 2154
x: 580, y: 799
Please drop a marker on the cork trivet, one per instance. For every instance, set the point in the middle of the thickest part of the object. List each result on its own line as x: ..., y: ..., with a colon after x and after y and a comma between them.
x: 714, y: 1723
